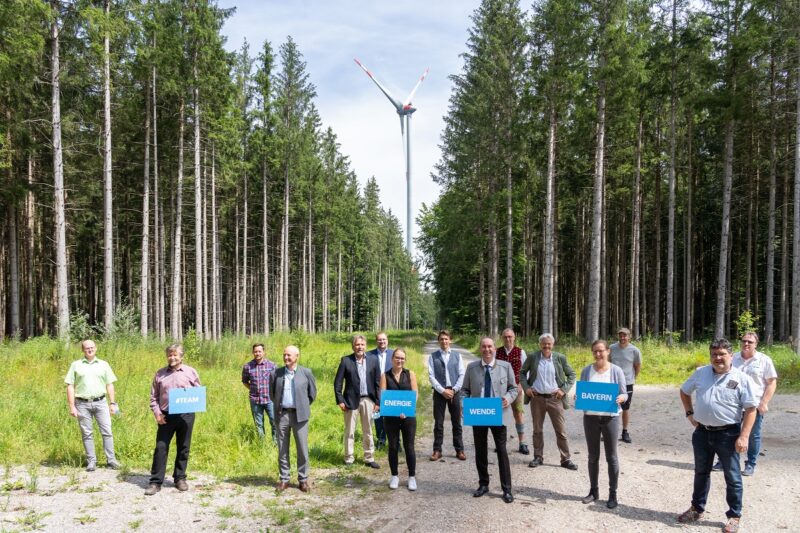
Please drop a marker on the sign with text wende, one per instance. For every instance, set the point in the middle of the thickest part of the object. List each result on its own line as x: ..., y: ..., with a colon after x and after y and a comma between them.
x: 397, y: 402
x: 593, y: 396
x: 191, y: 400
x: 483, y: 411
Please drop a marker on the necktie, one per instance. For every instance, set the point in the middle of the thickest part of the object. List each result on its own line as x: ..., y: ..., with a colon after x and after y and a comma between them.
x: 487, y: 383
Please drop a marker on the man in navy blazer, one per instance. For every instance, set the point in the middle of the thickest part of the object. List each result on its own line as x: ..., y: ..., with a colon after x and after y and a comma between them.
x: 357, y: 385
x: 384, y: 356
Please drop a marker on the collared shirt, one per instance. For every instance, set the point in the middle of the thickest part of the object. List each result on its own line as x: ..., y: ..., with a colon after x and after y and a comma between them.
x: 287, y: 398
x: 446, y: 359
x: 440, y: 387
x: 720, y: 398
x: 361, y: 366
x: 545, y: 376
x: 167, y: 379
x: 382, y: 361
x: 89, y: 378
x: 759, y: 368
x: 626, y: 358
x: 256, y: 376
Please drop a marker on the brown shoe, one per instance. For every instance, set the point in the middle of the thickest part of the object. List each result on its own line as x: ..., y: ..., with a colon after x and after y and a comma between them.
x: 461, y: 456
x: 690, y: 515
x: 282, y: 486
x: 151, y: 489
x: 181, y: 485
x: 304, y: 486
x: 436, y: 455
x: 732, y: 526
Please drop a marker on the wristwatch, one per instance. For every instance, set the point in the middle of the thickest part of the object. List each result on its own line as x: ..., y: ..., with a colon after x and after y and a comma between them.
x: 689, y: 413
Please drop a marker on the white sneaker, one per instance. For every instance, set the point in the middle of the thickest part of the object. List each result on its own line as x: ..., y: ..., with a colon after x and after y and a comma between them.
x: 394, y: 482
x: 412, y: 483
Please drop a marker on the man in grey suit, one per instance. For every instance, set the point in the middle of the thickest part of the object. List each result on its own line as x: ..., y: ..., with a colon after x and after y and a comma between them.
x: 491, y: 378
x: 383, y: 354
x: 293, y: 389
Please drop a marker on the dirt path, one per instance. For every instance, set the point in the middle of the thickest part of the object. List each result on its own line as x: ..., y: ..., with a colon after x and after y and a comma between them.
x: 655, y: 485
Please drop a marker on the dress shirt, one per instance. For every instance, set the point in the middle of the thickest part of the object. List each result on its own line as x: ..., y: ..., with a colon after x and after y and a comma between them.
x: 167, y: 379
x: 546, y: 376
x: 287, y: 400
x: 256, y: 376
x: 90, y: 377
x: 484, y: 367
x: 719, y: 398
x: 361, y: 366
x: 382, y: 361
x: 446, y: 359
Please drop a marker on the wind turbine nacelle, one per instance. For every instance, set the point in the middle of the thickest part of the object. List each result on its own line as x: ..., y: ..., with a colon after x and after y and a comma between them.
x: 407, y: 109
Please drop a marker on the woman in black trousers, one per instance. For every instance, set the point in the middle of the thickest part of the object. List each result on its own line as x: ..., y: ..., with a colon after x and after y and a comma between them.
x: 400, y: 378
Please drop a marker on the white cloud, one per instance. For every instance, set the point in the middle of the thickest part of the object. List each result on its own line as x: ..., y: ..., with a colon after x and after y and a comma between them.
x: 397, y: 41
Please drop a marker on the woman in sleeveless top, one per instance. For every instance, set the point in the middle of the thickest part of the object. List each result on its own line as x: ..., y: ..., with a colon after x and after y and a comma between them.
x: 400, y: 378
x: 597, y: 424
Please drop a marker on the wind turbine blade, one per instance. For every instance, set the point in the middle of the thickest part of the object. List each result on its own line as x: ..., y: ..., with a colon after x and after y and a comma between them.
x: 414, y: 90
x: 391, y: 98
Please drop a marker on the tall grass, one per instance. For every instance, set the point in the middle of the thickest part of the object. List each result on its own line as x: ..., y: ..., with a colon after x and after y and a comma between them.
x: 37, y: 427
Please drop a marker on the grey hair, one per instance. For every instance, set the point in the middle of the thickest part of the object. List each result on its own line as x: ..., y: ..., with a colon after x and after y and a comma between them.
x: 722, y: 343
x: 358, y: 337
x: 174, y: 348
x: 549, y: 336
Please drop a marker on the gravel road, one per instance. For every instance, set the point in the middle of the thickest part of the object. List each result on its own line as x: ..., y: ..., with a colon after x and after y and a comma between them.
x: 655, y: 486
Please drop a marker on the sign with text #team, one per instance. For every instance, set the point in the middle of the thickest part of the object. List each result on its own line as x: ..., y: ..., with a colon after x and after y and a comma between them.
x: 483, y: 411
x: 191, y: 400
x: 593, y: 396
x: 397, y: 402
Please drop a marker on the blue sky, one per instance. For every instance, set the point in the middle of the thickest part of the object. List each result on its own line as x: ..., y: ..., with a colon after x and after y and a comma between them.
x: 396, y: 41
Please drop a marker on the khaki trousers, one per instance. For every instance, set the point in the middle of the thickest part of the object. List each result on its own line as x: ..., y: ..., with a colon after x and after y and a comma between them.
x: 553, y: 407
x: 364, y: 412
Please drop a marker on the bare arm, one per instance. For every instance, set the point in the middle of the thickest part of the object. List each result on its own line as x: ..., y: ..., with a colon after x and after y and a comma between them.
x: 747, y: 424
x: 112, y: 398
x: 772, y: 384
x: 686, y: 400
x: 71, y: 400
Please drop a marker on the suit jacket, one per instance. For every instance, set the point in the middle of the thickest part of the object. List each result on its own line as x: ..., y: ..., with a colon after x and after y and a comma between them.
x: 305, y: 391
x: 504, y: 384
x: 347, y: 384
x: 565, y: 375
x: 389, y: 353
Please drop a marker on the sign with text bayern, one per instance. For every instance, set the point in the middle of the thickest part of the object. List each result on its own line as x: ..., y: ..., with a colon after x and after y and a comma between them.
x: 397, y: 402
x: 593, y: 396
x: 483, y: 411
x: 191, y: 400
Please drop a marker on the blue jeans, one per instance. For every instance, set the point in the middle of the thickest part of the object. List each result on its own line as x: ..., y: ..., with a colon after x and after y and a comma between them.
x: 722, y: 443
x: 258, y: 410
x: 754, y: 445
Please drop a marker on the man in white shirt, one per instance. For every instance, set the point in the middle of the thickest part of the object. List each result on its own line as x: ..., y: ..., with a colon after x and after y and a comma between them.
x: 446, y: 374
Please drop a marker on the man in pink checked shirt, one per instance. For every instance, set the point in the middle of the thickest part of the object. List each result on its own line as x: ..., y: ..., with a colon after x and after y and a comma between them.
x: 175, y: 375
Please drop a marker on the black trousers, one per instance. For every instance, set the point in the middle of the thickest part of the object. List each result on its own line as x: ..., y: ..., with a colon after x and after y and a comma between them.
x: 440, y: 404
x: 408, y: 427
x: 180, y: 426
x: 480, y: 434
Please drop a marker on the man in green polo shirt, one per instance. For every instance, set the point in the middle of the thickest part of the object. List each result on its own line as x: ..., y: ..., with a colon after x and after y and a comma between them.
x: 89, y: 382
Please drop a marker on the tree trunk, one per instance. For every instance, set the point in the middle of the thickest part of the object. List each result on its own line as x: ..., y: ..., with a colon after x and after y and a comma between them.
x: 245, y: 249
x: 633, y: 297
x: 198, y: 212
x: 13, y: 270
x: 62, y: 289
x: 144, y: 291
x: 108, y: 209
x: 216, y: 322
x: 688, y: 305
x: 265, y: 238
x: 595, y: 248
x: 796, y: 221
x: 722, y: 273
x: 175, y: 326
x: 509, y: 314
x: 549, y: 223
x: 669, y: 325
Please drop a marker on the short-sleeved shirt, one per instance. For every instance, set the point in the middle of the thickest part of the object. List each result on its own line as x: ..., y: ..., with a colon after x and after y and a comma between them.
x: 626, y: 358
x: 89, y: 378
x: 760, y: 368
x: 719, y: 398
x: 256, y: 376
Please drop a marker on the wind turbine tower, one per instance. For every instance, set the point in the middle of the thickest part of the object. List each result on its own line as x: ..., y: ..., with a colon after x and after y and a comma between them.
x: 404, y: 111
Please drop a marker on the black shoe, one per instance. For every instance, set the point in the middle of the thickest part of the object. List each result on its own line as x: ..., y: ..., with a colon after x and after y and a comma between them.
x: 592, y: 496
x: 508, y: 497
x: 523, y: 449
x: 372, y: 464
x: 717, y: 467
x: 537, y: 461
x: 626, y: 437
x: 152, y: 488
x: 569, y: 465
x: 481, y: 490
x: 612, y: 499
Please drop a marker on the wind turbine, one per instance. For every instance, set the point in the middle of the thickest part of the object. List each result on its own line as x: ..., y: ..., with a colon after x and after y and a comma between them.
x: 404, y: 111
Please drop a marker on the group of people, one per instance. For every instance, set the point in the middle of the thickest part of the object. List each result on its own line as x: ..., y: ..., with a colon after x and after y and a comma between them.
x: 731, y: 398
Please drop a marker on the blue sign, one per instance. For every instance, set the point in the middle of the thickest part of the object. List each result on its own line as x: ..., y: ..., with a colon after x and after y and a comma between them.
x: 483, y: 411
x: 191, y: 400
x: 593, y: 396
x: 397, y: 402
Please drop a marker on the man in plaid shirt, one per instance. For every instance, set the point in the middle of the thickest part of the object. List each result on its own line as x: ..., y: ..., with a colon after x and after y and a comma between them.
x: 255, y: 376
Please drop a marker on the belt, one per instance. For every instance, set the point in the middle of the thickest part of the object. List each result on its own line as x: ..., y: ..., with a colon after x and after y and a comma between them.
x: 92, y: 399
x: 543, y: 395
x: 717, y: 428
x: 288, y: 409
